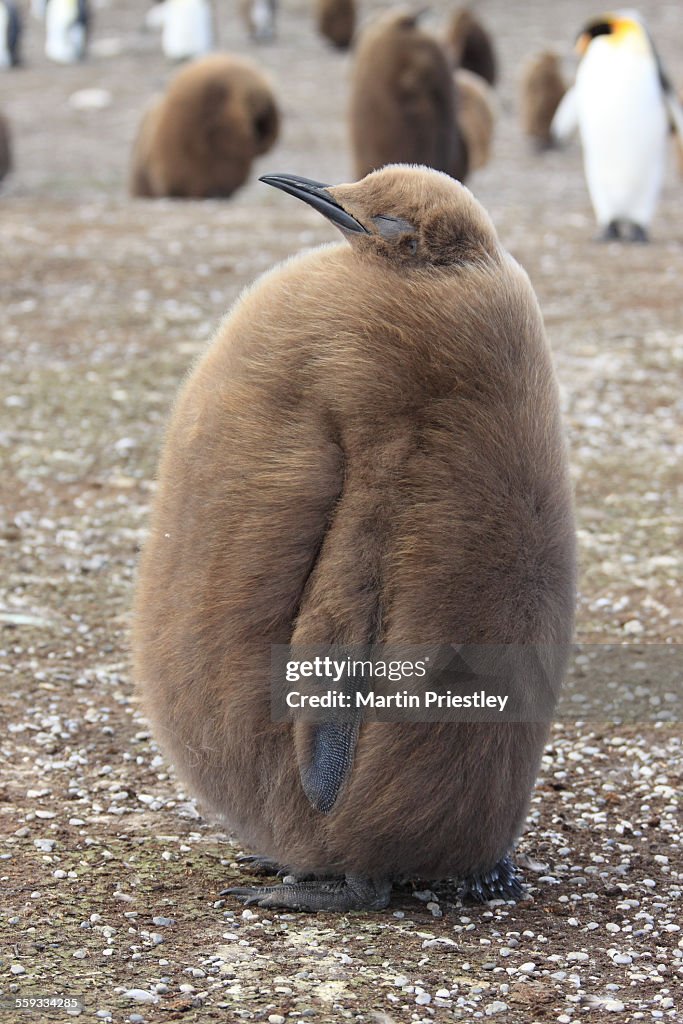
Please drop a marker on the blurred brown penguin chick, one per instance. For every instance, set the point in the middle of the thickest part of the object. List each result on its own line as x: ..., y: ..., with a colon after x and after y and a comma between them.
x: 5, y: 148
x: 336, y: 21
x: 259, y: 18
x: 200, y: 138
x: 470, y: 45
x: 403, y: 106
x: 542, y: 88
x: 370, y: 451
x: 476, y: 114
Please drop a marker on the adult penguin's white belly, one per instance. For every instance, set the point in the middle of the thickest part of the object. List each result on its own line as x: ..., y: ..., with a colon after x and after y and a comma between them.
x: 623, y: 127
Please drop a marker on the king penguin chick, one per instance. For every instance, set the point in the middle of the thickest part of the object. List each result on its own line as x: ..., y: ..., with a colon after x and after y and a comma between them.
x: 624, y: 105
x: 470, y: 46
x: 403, y: 100
x: 10, y: 34
x: 476, y: 116
x: 67, y: 23
x: 259, y: 18
x: 370, y: 451
x: 200, y: 139
x: 542, y: 88
x: 186, y: 27
x: 5, y: 148
x: 336, y: 21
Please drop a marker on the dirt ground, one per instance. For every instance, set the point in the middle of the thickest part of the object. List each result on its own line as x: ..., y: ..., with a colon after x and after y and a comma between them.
x: 109, y: 877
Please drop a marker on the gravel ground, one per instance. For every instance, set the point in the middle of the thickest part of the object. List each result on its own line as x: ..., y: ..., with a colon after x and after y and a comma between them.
x: 109, y: 875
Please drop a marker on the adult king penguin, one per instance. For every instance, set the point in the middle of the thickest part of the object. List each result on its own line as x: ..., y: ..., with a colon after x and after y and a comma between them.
x: 66, y: 30
x: 370, y: 451
x: 624, y: 106
x: 10, y: 34
x: 186, y: 27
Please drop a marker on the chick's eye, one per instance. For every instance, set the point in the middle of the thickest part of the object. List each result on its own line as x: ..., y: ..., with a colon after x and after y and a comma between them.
x: 411, y: 245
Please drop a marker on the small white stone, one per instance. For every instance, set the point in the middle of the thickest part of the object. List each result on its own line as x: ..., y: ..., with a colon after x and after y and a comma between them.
x: 622, y: 958
x: 577, y: 957
x: 45, y: 845
x: 401, y: 981
x: 140, y: 995
x: 276, y: 1018
x: 527, y: 968
x: 613, y: 1005
x: 497, y: 1006
x: 423, y: 998
x: 17, y: 969
x: 632, y: 627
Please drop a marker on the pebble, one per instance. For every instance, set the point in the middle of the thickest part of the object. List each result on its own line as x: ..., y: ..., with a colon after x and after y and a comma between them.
x: 276, y: 1018
x: 45, y: 845
x: 140, y: 995
x: 497, y: 1006
x: 527, y: 968
x: 577, y: 957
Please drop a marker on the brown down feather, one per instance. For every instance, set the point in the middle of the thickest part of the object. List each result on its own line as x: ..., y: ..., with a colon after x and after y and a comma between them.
x: 370, y: 448
x: 542, y: 88
x: 200, y: 138
x: 403, y: 100
x: 470, y: 46
x: 336, y: 21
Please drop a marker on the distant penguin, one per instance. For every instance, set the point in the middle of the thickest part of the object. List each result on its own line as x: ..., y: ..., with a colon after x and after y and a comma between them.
x: 186, y: 27
x: 624, y: 105
x: 200, y: 138
x: 542, y: 89
x: 259, y: 18
x: 370, y: 451
x: 5, y: 148
x: 470, y: 46
x: 336, y: 21
x: 476, y: 116
x: 10, y: 34
x: 67, y: 23
x: 403, y: 103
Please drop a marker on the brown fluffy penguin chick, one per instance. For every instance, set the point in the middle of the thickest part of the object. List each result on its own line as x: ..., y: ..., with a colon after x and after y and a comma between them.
x: 369, y: 451
x: 476, y: 116
x: 470, y: 46
x: 200, y: 138
x: 336, y: 21
x: 542, y: 88
x: 403, y: 100
x: 5, y: 148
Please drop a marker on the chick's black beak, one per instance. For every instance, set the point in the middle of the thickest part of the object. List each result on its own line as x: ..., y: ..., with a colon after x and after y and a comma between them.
x: 316, y: 195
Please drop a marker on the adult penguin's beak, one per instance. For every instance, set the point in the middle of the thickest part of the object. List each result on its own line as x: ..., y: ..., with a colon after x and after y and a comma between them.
x: 316, y: 195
